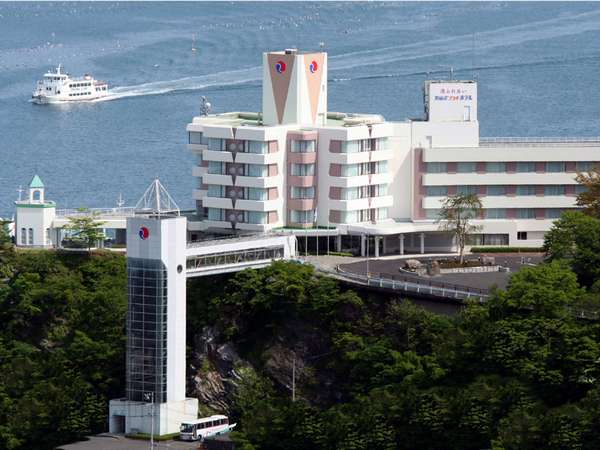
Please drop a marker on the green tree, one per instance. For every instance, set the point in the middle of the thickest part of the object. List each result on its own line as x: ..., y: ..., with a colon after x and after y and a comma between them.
x: 456, y: 217
x: 575, y: 237
x: 86, y: 229
x: 589, y: 199
x: 4, y: 233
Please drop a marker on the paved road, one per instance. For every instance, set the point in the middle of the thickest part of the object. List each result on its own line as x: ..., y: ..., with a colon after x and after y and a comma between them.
x: 476, y: 280
x: 113, y: 442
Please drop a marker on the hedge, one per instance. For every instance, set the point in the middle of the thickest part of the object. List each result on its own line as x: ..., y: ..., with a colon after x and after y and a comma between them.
x: 507, y: 249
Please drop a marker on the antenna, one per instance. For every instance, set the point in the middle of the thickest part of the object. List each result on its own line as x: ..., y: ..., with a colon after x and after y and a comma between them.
x: 205, y: 106
x: 322, y: 45
x: 20, y: 191
x: 120, y: 201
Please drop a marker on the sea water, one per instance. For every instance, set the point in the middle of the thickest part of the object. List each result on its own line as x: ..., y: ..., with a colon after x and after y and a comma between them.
x: 537, y: 65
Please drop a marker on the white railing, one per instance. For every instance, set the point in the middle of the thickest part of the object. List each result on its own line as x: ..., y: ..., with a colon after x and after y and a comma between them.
x: 102, y: 212
x: 539, y: 141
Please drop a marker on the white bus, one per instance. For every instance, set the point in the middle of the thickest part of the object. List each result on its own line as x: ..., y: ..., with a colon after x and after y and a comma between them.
x: 199, y: 429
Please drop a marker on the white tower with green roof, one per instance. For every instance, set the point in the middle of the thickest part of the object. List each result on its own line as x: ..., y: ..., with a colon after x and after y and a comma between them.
x: 34, y: 216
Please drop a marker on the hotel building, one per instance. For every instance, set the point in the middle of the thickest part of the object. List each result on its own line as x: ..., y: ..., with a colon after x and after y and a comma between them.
x: 296, y: 166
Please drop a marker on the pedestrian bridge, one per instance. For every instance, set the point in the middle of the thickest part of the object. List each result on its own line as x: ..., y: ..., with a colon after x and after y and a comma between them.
x: 217, y: 256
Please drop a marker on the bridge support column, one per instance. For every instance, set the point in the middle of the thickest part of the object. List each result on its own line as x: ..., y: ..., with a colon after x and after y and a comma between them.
x: 384, y: 245
x: 363, y: 245
x: 401, y: 244
x: 338, y: 243
x: 422, y: 238
x: 376, y: 243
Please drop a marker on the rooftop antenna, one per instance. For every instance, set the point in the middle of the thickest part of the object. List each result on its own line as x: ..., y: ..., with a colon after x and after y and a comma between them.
x: 120, y: 201
x: 20, y: 191
x: 322, y: 45
x: 205, y: 106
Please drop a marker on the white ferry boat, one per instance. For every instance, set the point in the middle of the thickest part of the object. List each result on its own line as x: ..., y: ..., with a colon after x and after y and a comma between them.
x: 197, y: 430
x: 58, y: 86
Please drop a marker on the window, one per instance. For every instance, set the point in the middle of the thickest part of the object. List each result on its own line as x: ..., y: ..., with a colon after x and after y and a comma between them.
x: 260, y: 217
x: 432, y: 214
x: 302, y: 216
x: 257, y: 194
x: 303, y: 192
x: 30, y: 242
x: 197, y: 138
x: 495, y: 213
x: 216, y: 190
x: 554, y: 190
x: 466, y: 190
x: 215, y: 144
x: 24, y: 236
x: 257, y: 170
x: 487, y: 239
x: 525, y: 213
x: 48, y: 240
x: 437, y: 167
x: 555, y: 166
x: 580, y: 188
x: 584, y: 166
x: 303, y: 146
x: 350, y: 147
x: 259, y: 147
x: 382, y: 213
x: 304, y: 170
x: 437, y: 191
x: 521, y: 235
x: 216, y: 214
x: 495, y: 167
x: 553, y: 213
x: 525, y: 167
x: 466, y: 167
x: 216, y: 167
x: 496, y: 190
x: 364, y: 145
x: 526, y: 190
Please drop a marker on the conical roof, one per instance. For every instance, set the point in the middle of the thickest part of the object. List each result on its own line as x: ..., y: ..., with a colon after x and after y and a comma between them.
x: 156, y: 200
x: 36, y: 182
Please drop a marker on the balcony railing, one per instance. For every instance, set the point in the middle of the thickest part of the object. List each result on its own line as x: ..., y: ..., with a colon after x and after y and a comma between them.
x: 539, y: 141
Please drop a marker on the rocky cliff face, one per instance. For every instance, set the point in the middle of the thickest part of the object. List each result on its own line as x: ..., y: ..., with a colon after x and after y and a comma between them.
x: 217, y: 369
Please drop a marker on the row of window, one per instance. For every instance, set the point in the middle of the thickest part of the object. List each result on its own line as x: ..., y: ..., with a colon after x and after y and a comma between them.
x: 77, y: 94
x: 255, y: 217
x: 502, y: 213
x: 303, y: 146
x: 302, y: 192
x: 303, y: 170
x: 364, y: 145
x: 219, y: 191
x: 77, y: 85
x: 551, y: 189
x: 354, y: 193
x: 248, y: 170
x: 308, y: 216
x: 500, y: 167
x: 368, y: 168
x: 364, y: 215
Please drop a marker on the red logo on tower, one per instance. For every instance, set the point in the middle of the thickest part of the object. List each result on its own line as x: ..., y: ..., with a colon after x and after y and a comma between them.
x: 144, y: 233
x: 313, y: 67
x: 280, y: 66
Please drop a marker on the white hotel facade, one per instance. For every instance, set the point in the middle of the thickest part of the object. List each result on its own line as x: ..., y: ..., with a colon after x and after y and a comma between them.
x: 358, y: 177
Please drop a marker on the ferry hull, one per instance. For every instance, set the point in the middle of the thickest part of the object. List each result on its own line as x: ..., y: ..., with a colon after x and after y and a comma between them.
x: 47, y: 99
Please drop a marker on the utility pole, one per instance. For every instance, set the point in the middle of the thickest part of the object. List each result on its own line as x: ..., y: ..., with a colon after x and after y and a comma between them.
x: 150, y: 395
x: 368, y: 257
x: 294, y: 377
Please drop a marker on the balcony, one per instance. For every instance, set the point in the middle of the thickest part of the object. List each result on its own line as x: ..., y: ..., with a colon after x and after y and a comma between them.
x: 361, y: 157
x: 258, y: 205
x: 257, y: 182
x: 212, y: 178
x: 361, y: 180
x: 362, y: 203
x: 257, y: 158
x: 217, y: 202
x: 197, y: 148
x: 212, y: 155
